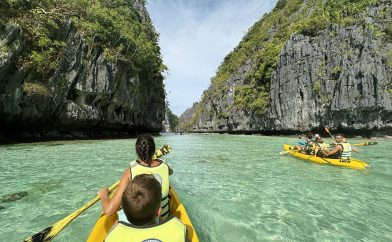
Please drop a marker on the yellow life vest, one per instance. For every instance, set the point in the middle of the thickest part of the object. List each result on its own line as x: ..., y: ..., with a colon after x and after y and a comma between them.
x: 171, y: 230
x: 161, y: 173
x: 323, y: 145
x: 346, y: 153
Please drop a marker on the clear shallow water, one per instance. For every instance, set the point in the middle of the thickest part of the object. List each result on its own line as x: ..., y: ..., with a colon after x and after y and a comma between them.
x: 235, y: 188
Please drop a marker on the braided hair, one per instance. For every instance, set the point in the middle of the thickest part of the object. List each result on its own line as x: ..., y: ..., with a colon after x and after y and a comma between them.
x: 145, y: 147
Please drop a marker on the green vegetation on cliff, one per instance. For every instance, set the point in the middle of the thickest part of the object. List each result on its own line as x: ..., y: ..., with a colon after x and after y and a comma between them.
x: 260, y: 48
x: 173, y: 120
x: 115, y: 27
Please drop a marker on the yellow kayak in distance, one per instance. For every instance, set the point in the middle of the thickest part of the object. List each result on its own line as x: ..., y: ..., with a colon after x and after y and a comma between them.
x: 104, y: 223
x: 351, y: 163
x: 367, y: 143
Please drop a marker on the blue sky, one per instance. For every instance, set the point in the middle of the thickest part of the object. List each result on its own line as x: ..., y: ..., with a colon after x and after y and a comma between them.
x: 195, y: 36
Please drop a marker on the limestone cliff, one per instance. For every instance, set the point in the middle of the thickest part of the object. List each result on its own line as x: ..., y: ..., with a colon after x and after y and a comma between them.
x: 306, y: 65
x: 79, y: 68
x: 171, y: 121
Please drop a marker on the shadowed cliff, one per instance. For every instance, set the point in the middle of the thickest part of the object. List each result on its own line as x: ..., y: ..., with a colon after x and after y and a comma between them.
x: 78, y: 69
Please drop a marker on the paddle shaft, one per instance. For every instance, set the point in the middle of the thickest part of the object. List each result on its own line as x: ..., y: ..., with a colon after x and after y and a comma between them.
x: 326, y: 129
x: 50, y: 232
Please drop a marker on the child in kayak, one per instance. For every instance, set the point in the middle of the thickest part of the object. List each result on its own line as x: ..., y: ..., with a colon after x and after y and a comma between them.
x: 141, y: 204
x: 319, y: 145
x: 304, y: 142
x: 145, y: 148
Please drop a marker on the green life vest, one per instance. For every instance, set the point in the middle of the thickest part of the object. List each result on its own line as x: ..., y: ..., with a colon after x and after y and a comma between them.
x: 161, y: 173
x: 171, y: 230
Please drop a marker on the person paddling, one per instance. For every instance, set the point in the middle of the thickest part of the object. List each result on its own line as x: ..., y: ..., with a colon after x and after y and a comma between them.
x: 319, y: 145
x: 304, y: 142
x: 145, y: 148
x: 342, y: 149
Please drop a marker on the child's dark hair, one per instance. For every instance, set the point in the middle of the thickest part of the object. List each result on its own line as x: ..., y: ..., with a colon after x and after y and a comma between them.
x: 142, y: 199
x: 145, y: 147
x: 309, y: 135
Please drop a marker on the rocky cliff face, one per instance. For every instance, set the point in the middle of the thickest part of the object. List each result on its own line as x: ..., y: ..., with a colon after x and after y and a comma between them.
x: 188, y: 118
x: 171, y: 121
x: 87, y: 93
x: 339, y: 76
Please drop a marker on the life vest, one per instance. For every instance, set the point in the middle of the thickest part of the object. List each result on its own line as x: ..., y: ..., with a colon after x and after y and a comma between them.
x: 323, y: 145
x: 171, y: 230
x: 161, y: 173
x: 346, y: 153
x: 302, y: 142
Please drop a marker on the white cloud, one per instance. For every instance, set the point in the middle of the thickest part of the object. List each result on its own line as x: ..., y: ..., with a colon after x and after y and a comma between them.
x: 195, y: 36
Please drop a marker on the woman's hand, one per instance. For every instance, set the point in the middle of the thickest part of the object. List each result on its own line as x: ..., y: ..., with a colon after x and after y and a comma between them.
x: 103, y: 192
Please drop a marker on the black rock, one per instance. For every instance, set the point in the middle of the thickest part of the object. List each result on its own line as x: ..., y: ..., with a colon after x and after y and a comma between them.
x: 13, y: 196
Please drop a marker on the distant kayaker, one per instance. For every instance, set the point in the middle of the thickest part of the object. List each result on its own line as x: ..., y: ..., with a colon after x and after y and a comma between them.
x: 304, y: 142
x: 141, y: 204
x: 316, y: 138
x: 319, y: 145
x: 342, y: 149
x: 145, y: 148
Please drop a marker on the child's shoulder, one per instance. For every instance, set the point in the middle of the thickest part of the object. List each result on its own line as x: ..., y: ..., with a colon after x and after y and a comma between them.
x: 133, y: 163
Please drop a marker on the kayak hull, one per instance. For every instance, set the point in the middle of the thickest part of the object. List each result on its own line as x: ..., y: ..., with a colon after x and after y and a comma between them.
x: 352, y: 163
x: 104, y: 223
x: 366, y: 143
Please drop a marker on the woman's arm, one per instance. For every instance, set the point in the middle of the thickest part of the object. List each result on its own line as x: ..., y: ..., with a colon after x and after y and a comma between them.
x: 110, y: 206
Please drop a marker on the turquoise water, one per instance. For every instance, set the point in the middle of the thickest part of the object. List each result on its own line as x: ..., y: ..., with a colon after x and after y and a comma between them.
x: 235, y: 188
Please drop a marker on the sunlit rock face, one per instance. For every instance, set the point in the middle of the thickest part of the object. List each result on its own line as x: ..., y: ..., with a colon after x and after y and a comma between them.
x: 339, y: 76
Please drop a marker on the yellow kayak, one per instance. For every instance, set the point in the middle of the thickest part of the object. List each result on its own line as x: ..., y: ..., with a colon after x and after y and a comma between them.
x: 177, y: 209
x: 351, y: 163
x: 367, y: 143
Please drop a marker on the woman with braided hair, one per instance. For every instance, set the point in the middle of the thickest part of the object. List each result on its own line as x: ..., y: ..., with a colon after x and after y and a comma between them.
x: 145, y: 148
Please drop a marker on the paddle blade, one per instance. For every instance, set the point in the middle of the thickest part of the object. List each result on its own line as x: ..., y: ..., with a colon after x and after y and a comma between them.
x: 285, y: 152
x: 41, y: 236
x: 165, y: 149
x: 50, y: 232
